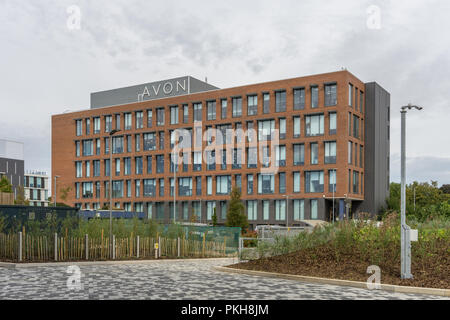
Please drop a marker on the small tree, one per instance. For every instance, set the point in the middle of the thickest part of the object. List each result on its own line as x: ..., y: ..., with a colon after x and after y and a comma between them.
x: 20, y: 199
x: 214, y: 218
x: 236, y: 214
x: 5, y: 186
x: 194, y: 218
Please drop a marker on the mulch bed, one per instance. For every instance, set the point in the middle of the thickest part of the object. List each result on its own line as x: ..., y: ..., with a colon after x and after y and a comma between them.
x: 321, y: 262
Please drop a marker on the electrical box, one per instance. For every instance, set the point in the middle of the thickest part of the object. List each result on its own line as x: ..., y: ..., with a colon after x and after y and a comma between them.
x: 413, y: 235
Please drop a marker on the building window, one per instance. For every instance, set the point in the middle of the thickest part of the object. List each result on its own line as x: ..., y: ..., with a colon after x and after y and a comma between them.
x: 252, y: 210
x: 331, y: 180
x: 282, y: 182
x: 314, y: 125
x: 108, y: 123
x: 280, y: 156
x: 330, y: 152
x: 139, y: 120
x: 250, y: 184
x: 210, y: 206
x: 77, y: 148
x: 252, y: 157
x: 127, y: 125
x: 299, y: 154
x: 252, y: 105
x: 117, y: 189
x: 210, y: 160
x: 161, y: 187
x: 185, y: 186
x: 296, y: 130
x: 355, y: 182
x: 185, y: 113
x: 356, y: 126
x: 97, y: 125
x: 197, y: 161
x: 96, y: 164
x: 314, y: 209
x: 266, y: 184
x: 296, y: 181
x: 160, y: 164
x: 314, y: 97
x: 350, y: 95
x: 197, y: 112
x: 266, y: 207
x: 88, y: 189
x: 313, y: 181
x: 282, y: 126
x: 79, y: 170
x: 223, y: 108
x: 137, y: 187
x: 330, y: 95
x: 266, y: 103
x: 149, y: 141
x: 356, y: 99
x: 251, y: 134
x: 79, y: 124
x: 160, y: 116
x: 333, y: 123
x: 211, y: 108
x: 138, y: 164
x: 361, y: 102
x: 223, y: 185
x: 361, y: 156
x: 127, y: 166
x: 280, y: 210
x: 161, y: 140
x: 88, y: 126
x: 266, y: 129
x: 198, y: 186
x: 237, y: 107
x: 174, y: 115
x: 280, y: 101
x: 237, y: 159
x: 107, y: 167
x: 97, y: 147
x: 137, y: 139
x: 88, y: 148
x: 209, y: 185
x: 350, y: 152
x: 299, y: 210
x: 117, y: 162
x: 314, y: 146
x: 117, y: 145
x: 149, y: 118
x: 299, y: 99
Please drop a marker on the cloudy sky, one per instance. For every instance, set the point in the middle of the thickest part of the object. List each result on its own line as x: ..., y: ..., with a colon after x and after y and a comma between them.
x: 49, y: 66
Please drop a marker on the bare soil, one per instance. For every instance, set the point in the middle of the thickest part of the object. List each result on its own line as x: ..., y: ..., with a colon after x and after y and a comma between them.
x: 432, y: 272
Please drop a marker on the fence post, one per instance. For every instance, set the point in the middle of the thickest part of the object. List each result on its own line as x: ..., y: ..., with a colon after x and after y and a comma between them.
x: 159, y: 247
x: 114, y: 247
x: 56, y: 246
x: 86, y: 237
x: 137, y: 247
x: 178, y: 245
x: 20, y: 247
x: 203, y: 249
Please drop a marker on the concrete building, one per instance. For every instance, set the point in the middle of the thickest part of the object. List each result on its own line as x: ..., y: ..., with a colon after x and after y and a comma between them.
x: 12, y: 163
x: 36, y: 188
x: 297, y: 148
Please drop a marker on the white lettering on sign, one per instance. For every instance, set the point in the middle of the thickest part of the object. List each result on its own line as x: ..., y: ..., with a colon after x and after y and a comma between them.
x: 168, y: 88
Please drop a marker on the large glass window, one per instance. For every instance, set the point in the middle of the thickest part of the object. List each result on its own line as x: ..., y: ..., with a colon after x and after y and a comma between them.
x: 149, y: 141
x: 88, y: 189
x: 185, y: 113
x: 314, y: 97
x: 299, y: 154
x: 197, y: 112
x: 266, y: 183
x: 160, y: 116
x: 185, y: 186
x: 139, y: 120
x: 97, y: 147
x: 209, y: 185
x: 211, y: 159
x: 174, y: 115
x: 223, y: 108
x: 350, y: 152
x: 332, y: 180
x: 197, y: 161
x: 330, y: 152
x: 333, y: 123
x: 79, y: 170
x: 299, y: 99
x: 117, y: 189
x: 330, y: 95
x: 137, y: 140
x: 237, y: 107
x: 149, y: 118
x: 314, y: 209
x: 88, y: 148
x: 96, y: 168
x: 127, y: 166
x: 313, y: 181
x: 280, y: 156
x: 137, y: 187
x: 160, y: 164
x: 223, y: 185
x: 280, y: 101
x: 296, y: 181
x: 139, y: 165
x: 282, y: 125
x: 161, y: 187
x: 237, y: 159
x: 252, y: 157
x: 117, y: 145
x: 210, y: 206
x: 355, y: 126
x: 149, y: 164
x: 296, y: 121
x: 117, y: 163
x: 107, y: 167
x: 127, y: 117
x: 88, y: 126
x: 252, y: 105
x: 314, y: 125
x: 314, y: 153
x: 266, y: 103
x: 280, y: 210
x: 198, y: 186
x: 108, y: 123
x: 266, y: 129
x: 79, y: 125
x: 299, y: 210
x: 282, y: 182
x: 252, y: 209
x: 97, y: 125
x: 350, y: 95
x: 250, y: 184
x: 211, y: 106
x: 355, y: 182
x: 266, y: 207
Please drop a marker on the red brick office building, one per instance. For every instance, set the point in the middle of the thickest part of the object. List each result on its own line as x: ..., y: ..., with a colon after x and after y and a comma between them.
x: 332, y: 147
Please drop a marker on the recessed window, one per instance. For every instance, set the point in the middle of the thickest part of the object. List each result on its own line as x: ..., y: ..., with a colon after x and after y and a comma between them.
x: 314, y: 97
x: 330, y: 95
x: 252, y: 105
x: 314, y: 125
x: 299, y: 99
x: 280, y: 101
x: 237, y: 107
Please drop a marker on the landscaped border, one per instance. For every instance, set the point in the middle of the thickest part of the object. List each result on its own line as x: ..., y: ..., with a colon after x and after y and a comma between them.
x: 348, y: 283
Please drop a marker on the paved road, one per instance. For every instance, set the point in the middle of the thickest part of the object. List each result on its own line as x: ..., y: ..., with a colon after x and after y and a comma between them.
x: 183, y: 279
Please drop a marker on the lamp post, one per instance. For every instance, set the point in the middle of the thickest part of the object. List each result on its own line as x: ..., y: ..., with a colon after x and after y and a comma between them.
x: 55, y: 189
x: 405, y: 229
x: 111, y: 133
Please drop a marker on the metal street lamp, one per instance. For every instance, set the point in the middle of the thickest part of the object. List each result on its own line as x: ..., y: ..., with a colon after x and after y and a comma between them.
x: 111, y: 133
x: 55, y: 190
x: 405, y: 229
